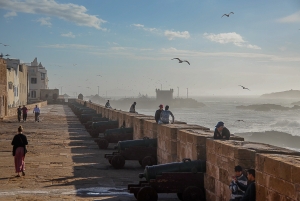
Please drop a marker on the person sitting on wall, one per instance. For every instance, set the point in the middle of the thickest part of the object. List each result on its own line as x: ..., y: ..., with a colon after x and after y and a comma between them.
x: 132, y: 108
x: 250, y: 194
x: 158, y: 112
x: 164, y: 116
x: 237, y: 193
x: 107, y: 105
x: 221, y: 132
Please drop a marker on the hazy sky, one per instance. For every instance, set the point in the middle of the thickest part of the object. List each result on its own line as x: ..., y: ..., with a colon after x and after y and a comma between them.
x: 131, y: 44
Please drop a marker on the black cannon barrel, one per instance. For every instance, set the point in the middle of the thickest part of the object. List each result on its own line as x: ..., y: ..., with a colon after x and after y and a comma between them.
x: 117, y: 131
x: 104, y: 123
x: 96, y: 119
x: 186, y: 165
x: 146, y: 142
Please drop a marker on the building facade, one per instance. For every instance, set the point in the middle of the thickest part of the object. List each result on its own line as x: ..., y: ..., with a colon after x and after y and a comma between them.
x: 17, y: 83
x: 3, y: 89
x: 38, y: 79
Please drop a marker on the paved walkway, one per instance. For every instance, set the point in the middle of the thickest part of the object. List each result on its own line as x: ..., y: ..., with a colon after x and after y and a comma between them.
x: 63, y: 162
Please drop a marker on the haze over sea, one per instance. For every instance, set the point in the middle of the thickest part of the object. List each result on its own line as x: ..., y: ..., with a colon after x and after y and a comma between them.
x: 224, y: 109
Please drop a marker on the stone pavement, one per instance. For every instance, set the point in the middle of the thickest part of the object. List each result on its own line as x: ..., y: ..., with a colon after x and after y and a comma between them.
x: 63, y: 162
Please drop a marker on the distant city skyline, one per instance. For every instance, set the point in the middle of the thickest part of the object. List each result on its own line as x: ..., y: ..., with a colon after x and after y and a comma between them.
x: 126, y: 48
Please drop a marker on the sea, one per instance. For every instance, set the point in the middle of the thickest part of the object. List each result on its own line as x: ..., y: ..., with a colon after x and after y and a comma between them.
x: 281, y: 128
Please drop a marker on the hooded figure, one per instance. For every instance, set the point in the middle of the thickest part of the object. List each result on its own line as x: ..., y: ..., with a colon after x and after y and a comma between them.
x: 221, y: 132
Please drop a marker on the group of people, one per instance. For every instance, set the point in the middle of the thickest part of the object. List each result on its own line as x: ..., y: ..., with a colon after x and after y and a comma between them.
x: 24, y: 111
x: 162, y: 116
x: 242, y: 188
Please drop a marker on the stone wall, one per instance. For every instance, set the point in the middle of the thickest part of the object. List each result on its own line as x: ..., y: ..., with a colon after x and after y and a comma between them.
x: 277, y: 169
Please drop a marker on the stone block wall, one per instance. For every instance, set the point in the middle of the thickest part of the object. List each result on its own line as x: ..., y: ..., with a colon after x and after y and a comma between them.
x: 138, y: 126
x: 167, y: 141
x: 277, y: 177
x: 223, y: 156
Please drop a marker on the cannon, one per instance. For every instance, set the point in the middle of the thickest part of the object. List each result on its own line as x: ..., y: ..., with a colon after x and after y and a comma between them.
x: 88, y: 124
x: 89, y: 117
x: 185, y: 178
x: 114, y: 136
x: 144, y: 151
x: 101, y: 127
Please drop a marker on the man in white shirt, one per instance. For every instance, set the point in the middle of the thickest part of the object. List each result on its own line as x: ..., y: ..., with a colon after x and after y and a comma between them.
x: 36, y: 110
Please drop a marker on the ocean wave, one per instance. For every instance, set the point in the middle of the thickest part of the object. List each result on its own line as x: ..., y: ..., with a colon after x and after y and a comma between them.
x: 286, y: 123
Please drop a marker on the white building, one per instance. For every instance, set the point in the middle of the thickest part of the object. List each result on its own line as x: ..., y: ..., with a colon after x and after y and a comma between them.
x: 13, y: 81
x: 38, y: 79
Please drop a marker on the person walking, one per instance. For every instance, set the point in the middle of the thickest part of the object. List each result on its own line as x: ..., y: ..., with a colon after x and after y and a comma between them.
x: 24, y: 110
x: 36, y: 110
x: 158, y: 112
x: 19, y: 150
x: 19, y: 112
x: 164, y: 116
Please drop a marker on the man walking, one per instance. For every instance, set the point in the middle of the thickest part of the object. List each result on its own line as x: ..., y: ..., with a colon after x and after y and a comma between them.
x: 19, y: 112
x: 36, y: 110
x: 24, y: 110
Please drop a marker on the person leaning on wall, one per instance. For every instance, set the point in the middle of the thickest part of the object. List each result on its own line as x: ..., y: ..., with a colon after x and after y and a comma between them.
x: 221, y: 132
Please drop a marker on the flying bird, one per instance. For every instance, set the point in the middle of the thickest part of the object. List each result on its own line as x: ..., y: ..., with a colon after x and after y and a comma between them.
x: 239, y: 120
x: 7, y: 55
x: 244, y: 87
x: 99, y: 75
x: 227, y: 15
x: 180, y: 61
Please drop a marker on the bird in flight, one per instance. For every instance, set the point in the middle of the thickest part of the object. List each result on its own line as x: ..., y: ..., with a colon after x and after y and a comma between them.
x: 7, y: 55
x: 244, y: 87
x: 239, y: 120
x: 227, y: 15
x: 180, y: 61
x: 99, y: 75
x: 4, y: 44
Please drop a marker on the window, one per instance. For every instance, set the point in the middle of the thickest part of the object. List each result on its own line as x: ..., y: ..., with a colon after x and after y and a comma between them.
x: 33, y: 94
x: 10, y: 85
x: 33, y: 80
x: 43, y: 75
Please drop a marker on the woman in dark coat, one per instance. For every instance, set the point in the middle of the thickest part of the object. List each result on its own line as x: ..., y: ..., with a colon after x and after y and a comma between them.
x: 19, y: 150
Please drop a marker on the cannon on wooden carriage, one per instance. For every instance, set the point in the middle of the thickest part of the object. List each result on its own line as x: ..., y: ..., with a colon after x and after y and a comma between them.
x: 89, y: 117
x: 101, y: 127
x: 114, y: 136
x: 88, y: 124
x: 185, y: 178
x: 144, y: 151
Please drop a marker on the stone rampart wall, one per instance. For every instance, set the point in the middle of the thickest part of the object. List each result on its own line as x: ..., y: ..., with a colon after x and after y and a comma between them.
x: 277, y: 169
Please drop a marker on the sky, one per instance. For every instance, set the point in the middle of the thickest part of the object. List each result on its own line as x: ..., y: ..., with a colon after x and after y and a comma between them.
x: 126, y: 47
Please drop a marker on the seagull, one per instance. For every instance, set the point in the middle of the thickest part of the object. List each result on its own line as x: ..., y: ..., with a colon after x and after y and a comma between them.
x: 227, y: 15
x: 180, y: 61
x: 7, y: 55
x: 240, y: 120
x: 244, y: 87
x: 4, y: 44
